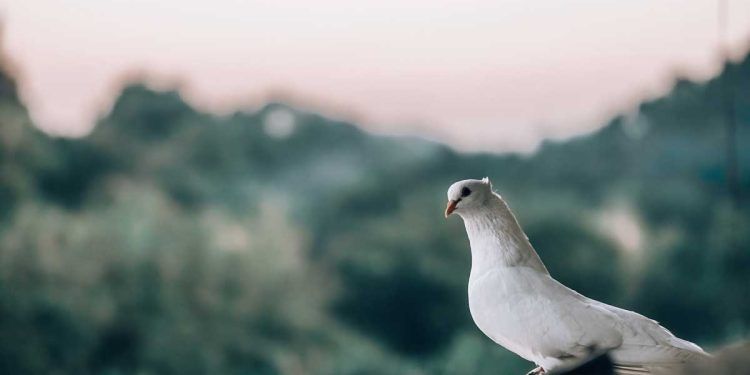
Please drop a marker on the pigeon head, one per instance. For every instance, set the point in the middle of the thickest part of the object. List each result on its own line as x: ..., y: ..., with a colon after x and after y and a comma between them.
x: 467, y: 195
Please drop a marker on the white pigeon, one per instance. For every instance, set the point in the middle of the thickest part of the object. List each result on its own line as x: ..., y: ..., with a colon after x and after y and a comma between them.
x: 516, y: 303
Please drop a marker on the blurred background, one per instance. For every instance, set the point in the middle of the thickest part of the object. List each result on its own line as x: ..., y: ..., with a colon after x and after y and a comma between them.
x: 252, y: 187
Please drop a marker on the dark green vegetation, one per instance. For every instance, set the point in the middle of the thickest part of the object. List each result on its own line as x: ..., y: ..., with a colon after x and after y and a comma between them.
x: 174, y: 241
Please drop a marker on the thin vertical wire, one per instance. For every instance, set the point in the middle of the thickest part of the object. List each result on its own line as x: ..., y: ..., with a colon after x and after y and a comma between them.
x: 730, y: 116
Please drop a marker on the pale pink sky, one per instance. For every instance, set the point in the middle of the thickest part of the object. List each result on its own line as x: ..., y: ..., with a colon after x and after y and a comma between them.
x: 479, y: 75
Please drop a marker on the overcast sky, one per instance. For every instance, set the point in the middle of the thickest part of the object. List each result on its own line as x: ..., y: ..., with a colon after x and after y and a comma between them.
x: 480, y: 75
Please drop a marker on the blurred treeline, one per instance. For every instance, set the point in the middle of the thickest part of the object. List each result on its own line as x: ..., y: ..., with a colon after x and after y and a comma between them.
x: 279, y: 241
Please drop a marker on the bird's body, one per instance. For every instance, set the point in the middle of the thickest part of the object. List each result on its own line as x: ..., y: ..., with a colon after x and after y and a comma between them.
x: 516, y: 303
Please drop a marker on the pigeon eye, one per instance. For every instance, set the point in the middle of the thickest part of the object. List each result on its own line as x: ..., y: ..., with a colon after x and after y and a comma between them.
x: 465, y: 192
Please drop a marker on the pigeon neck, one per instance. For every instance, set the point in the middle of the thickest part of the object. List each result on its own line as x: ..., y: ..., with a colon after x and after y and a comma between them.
x: 497, y: 240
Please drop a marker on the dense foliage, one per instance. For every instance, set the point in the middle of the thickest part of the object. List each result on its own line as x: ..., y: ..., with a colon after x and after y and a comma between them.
x: 279, y: 241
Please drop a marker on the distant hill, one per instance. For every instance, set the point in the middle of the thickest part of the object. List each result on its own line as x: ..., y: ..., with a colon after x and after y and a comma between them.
x: 365, y: 213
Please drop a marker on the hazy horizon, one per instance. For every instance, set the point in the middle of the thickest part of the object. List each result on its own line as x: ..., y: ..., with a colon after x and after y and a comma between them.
x: 204, y: 231
x: 485, y: 76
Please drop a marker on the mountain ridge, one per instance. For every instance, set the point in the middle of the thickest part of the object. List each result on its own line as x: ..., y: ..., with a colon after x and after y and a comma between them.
x: 284, y: 240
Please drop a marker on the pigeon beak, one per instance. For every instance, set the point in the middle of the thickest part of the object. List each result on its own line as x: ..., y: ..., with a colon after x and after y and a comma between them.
x: 451, y: 207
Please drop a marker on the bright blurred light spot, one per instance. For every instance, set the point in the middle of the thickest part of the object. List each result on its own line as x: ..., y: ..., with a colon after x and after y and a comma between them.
x: 635, y: 126
x: 622, y: 225
x: 279, y: 123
